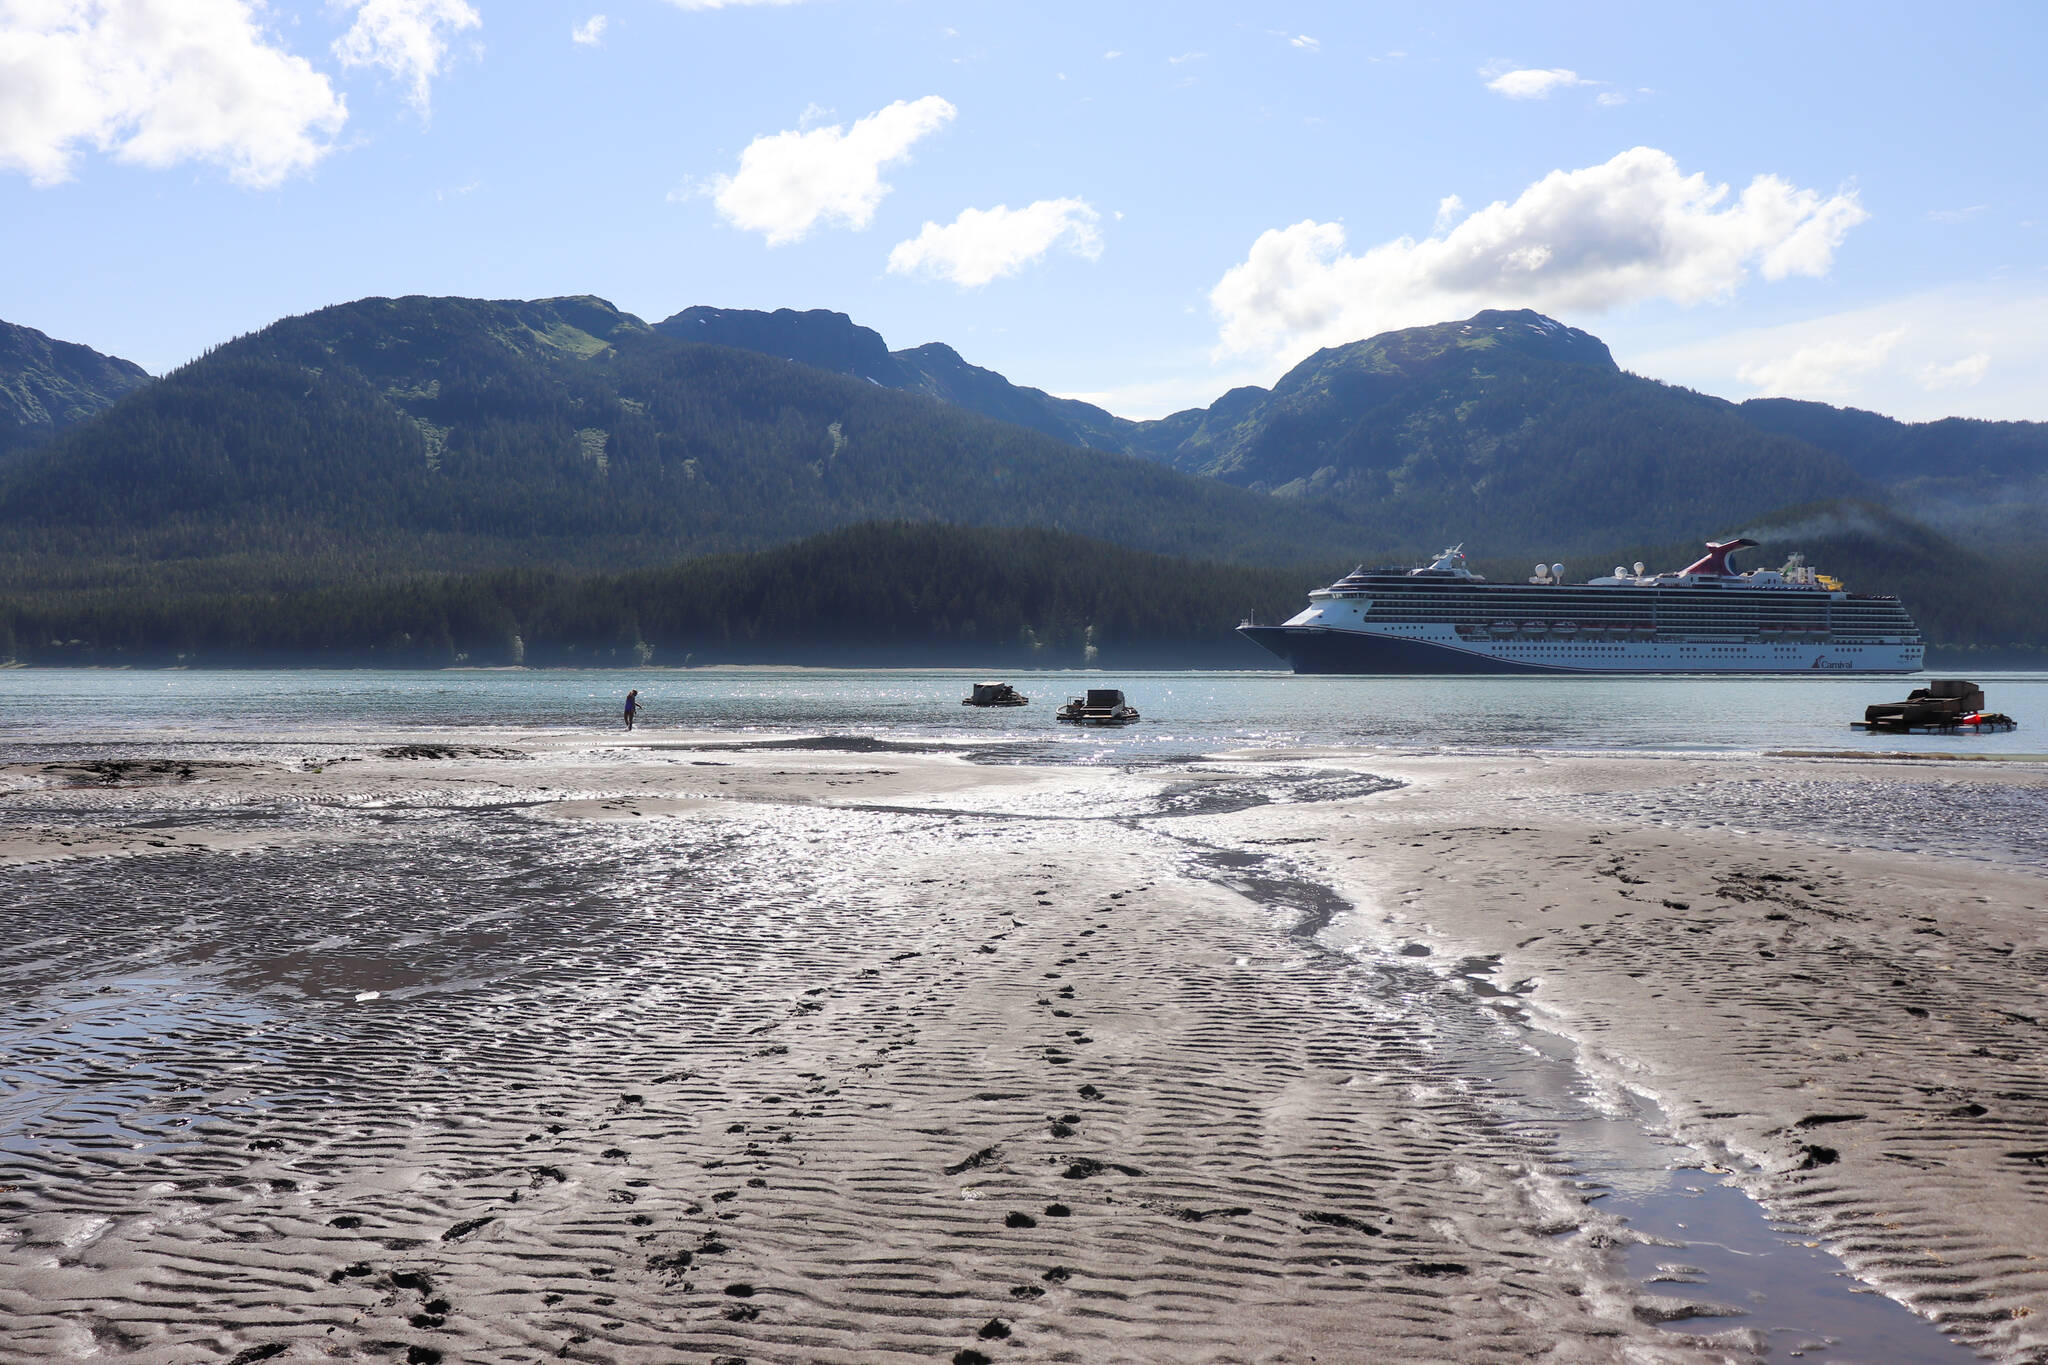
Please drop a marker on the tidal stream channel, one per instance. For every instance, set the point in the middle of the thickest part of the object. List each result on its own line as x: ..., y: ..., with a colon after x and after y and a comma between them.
x: 1706, y: 1246
x: 1693, y: 1236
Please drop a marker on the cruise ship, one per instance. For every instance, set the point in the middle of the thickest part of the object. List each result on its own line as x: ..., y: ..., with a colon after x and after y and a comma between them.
x: 1706, y: 618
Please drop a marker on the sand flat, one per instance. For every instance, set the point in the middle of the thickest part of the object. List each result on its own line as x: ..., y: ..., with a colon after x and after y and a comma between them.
x: 1868, y: 1026
x: 632, y: 1051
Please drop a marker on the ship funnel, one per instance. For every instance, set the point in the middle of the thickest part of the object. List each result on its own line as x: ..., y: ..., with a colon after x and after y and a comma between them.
x: 1714, y: 563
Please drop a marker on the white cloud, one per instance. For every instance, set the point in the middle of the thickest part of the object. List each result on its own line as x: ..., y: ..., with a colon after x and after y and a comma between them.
x: 1111, y: 55
x: 1449, y: 210
x: 590, y: 32
x: 987, y: 244
x: 1821, y: 369
x: 1532, y: 84
x: 1966, y: 373
x: 728, y: 4
x: 1610, y: 98
x: 1302, y: 40
x: 1186, y: 57
x: 1631, y: 229
x: 1197, y: 388
x: 156, y: 83
x: 1956, y: 215
x: 2006, y: 320
x: 788, y: 181
x: 408, y: 38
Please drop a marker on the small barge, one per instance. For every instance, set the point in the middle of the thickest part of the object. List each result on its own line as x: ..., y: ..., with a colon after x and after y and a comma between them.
x: 995, y: 694
x: 1946, y: 707
x: 1102, y: 706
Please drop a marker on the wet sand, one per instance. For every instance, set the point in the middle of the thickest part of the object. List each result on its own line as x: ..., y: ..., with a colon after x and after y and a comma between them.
x: 520, y: 1049
x: 1865, y: 1027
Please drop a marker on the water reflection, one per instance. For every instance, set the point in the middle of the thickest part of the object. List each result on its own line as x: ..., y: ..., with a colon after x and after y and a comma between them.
x: 1185, y: 711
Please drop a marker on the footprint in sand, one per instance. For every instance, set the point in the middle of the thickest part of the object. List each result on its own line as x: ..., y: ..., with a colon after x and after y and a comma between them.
x: 969, y: 1163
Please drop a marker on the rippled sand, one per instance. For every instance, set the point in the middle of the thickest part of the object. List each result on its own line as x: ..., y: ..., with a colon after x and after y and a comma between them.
x: 1832, y: 970
x: 702, y: 1050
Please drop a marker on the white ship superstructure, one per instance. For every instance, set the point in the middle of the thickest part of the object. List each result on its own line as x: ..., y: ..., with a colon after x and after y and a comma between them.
x: 1706, y: 618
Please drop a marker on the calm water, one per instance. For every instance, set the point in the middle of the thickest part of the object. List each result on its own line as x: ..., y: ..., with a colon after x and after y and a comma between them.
x: 1183, y: 711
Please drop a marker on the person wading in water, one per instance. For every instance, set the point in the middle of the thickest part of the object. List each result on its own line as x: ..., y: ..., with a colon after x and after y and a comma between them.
x: 632, y: 706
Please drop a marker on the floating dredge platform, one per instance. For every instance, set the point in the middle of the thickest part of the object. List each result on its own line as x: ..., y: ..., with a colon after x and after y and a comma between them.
x: 1946, y: 707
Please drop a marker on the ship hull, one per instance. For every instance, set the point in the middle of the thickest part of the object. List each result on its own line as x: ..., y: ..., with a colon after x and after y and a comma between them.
x: 1313, y: 649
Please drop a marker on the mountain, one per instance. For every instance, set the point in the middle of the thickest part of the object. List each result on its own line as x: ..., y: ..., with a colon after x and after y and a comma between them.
x: 1893, y: 452
x: 1507, y: 429
x: 1359, y: 403
x: 833, y: 341
x: 389, y: 438
x: 1988, y: 480
x: 432, y: 433
x: 46, y: 385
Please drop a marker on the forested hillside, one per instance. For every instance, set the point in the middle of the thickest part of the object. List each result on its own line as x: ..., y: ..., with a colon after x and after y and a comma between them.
x: 881, y: 594
x: 48, y: 385
x: 913, y: 594
x: 381, y: 461
x: 1984, y: 480
x: 1506, y: 429
x: 833, y: 341
x: 430, y: 434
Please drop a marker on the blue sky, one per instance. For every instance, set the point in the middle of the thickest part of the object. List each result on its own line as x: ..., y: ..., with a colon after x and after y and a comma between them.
x: 1139, y: 204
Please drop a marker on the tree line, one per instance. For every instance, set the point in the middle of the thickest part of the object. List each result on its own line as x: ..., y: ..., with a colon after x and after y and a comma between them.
x: 879, y: 593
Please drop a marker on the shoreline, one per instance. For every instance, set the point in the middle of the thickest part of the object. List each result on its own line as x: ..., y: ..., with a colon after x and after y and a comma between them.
x: 1861, y: 1026
x: 928, y: 964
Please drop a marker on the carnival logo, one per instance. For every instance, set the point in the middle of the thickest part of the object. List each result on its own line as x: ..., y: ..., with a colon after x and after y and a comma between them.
x: 1832, y: 663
